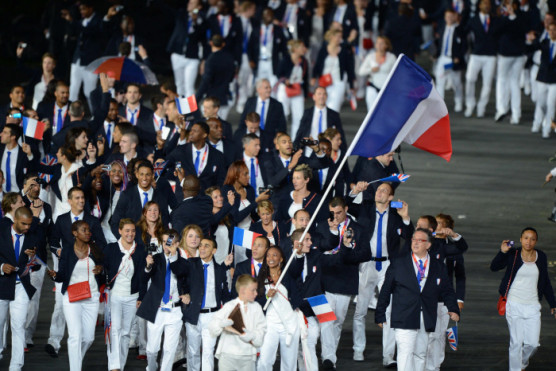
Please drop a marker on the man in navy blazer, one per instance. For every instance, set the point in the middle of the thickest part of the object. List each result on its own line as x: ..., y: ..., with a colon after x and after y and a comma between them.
x: 200, y: 159
x: 10, y: 149
x: 207, y: 286
x: 366, y: 170
x: 133, y: 199
x: 19, y: 245
x: 195, y: 208
x: 56, y: 113
x: 313, y: 122
x: 271, y: 112
x: 135, y: 112
x: 252, y: 266
x: 415, y: 282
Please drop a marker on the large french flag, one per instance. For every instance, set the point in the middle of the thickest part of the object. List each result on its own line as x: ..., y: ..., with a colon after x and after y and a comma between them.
x: 186, y: 105
x: 407, y: 109
x: 244, y: 238
x: 322, y: 308
x: 32, y: 128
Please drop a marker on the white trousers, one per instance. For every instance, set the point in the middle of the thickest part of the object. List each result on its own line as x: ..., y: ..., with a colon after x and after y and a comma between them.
x: 370, y: 96
x: 508, y: 93
x: 443, y: 75
x: 336, y: 94
x: 369, y: 280
x: 275, y: 336
x: 245, y: 84
x: 485, y: 65
x: 199, y: 338
x: 80, y: 76
x: 185, y: 74
x: 82, y: 318
x: 544, y: 108
x: 533, y: 77
x: 330, y: 331
x: 170, y: 324
x: 37, y: 279
x: 437, y: 339
x: 58, y: 320
x: 313, y: 330
x: 293, y: 105
x: 524, y: 323
x: 122, y: 312
x: 412, y: 348
x: 230, y: 362
x: 17, y: 310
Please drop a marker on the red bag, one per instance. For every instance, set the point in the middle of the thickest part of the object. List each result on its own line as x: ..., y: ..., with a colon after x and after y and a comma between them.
x: 293, y: 90
x: 325, y: 80
x: 502, y: 299
x: 81, y: 290
x: 368, y: 43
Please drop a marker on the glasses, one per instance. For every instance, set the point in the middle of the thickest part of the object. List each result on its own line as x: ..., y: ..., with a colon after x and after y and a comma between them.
x: 419, y: 240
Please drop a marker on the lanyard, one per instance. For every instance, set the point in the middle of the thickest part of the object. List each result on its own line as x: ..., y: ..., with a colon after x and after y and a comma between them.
x: 203, y: 159
x: 158, y: 124
x: 98, y: 209
x: 137, y: 112
x: 264, y: 34
x: 421, y: 271
x: 253, y: 268
x: 346, y: 222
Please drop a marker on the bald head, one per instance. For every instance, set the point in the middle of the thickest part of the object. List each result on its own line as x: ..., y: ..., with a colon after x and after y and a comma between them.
x: 23, y: 212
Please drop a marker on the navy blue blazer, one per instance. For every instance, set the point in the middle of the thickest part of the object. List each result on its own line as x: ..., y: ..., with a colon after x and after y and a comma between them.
x: 68, y: 260
x: 279, y: 47
x: 506, y: 260
x: 184, y: 42
x: 333, y: 120
x: 219, y: 73
x: 275, y: 119
x: 484, y: 42
x: 347, y: 62
x: 90, y: 40
x: 196, y: 210
x: 279, y: 233
x: 153, y: 297
x: 349, y: 22
x: 130, y: 205
x: 144, y: 126
x: 408, y: 301
x: 245, y: 267
x: 112, y: 260
x: 61, y: 236
x: 191, y: 270
x: 343, y: 277
x: 7, y: 256
x: 233, y: 40
x: 22, y: 165
x: 238, y: 216
x: 370, y: 169
x: 214, y: 172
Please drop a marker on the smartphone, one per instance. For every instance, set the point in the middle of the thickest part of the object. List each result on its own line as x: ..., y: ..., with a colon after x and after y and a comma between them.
x: 178, y: 165
x: 331, y: 215
x: 119, y: 8
x: 22, y: 45
x: 16, y: 115
x: 165, y: 132
x: 396, y: 204
x: 170, y: 240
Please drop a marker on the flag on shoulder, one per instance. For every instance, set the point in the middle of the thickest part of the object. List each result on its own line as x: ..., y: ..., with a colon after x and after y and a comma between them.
x: 452, y: 334
x: 321, y: 308
x: 33, y: 128
x: 244, y: 238
x: 408, y: 109
x: 186, y: 105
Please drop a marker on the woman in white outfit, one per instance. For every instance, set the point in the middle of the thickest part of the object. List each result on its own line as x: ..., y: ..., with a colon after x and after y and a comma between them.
x: 377, y: 65
x: 281, y: 318
x: 82, y: 267
x: 335, y: 63
x: 525, y: 282
x: 221, y: 226
x: 124, y: 263
x: 293, y: 75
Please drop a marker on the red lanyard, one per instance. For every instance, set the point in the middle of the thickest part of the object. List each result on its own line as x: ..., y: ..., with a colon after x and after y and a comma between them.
x: 253, y: 268
x: 158, y: 123
x: 201, y: 168
x: 133, y: 114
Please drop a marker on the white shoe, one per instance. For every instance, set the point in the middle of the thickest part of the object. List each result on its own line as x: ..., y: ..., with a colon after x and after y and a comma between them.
x: 388, y: 362
x: 458, y: 108
x: 535, y: 128
x: 358, y: 356
x: 514, y: 121
x: 468, y: 112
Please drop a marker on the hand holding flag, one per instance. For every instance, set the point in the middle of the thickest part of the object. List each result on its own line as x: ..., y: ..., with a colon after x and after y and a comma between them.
x: 452, y: 334
x: 33, y: 128
x: 244, y: 238
x: 186, y: 105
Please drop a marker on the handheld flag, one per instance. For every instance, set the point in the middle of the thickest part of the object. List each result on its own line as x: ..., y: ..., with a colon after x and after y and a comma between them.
x: 47, y: 160
x: 322, y: 308
x: 452, y: 334
x: 394, y: 178
x: 186, y: 105
x: 244, y: 238
x: 35, y: 260
x: 408, y: 109
x: 107, y: 318
x: 33, y: 128
x: 159, y: 168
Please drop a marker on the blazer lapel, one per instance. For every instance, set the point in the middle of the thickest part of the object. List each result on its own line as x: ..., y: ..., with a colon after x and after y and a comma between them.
x: 411, y: 271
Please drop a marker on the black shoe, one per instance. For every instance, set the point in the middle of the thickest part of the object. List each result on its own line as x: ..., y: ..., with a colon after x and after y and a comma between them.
x: 551, y: 218
x: 30, y: 346
x: 51, y: 351
x: 500, y: 116
x: 328, y: 365
x: 182, y: 363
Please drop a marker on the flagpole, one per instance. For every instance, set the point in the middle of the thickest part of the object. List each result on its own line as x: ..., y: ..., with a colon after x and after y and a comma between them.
x: 337, y: 173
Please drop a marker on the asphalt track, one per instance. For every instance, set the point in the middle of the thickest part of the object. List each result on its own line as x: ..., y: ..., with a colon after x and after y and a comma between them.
x: 492, y: 187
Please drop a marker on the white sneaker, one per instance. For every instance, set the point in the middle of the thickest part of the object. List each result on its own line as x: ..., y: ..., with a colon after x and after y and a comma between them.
x: 514, y: 121
x: 468, y: 112
x: 388, y: 362
x: 358, y: 356
x: 458, y: 108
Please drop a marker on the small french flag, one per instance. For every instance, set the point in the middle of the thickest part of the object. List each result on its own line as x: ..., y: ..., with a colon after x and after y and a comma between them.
x: 33, y: 128
x: 244, y: 238
x: 322, y: 309
x: 186, y: 105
